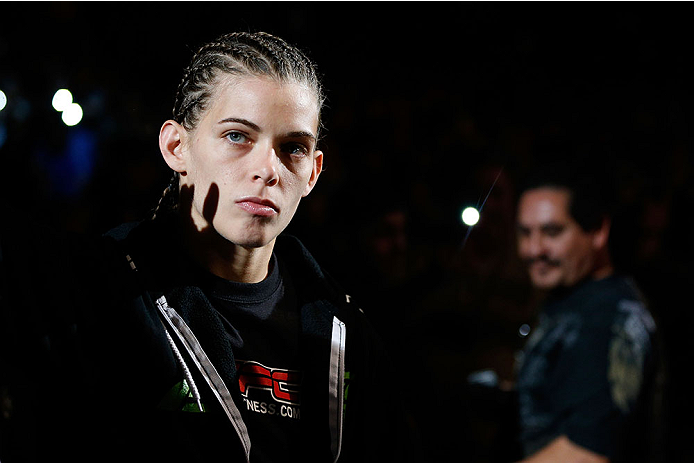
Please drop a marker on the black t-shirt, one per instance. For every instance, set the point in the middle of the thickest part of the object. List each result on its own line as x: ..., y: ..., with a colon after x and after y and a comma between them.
x: 263, y: 325
x: 586, y: 370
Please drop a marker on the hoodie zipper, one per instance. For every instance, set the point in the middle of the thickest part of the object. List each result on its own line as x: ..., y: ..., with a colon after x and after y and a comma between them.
x: 209, y: 372
x: 336, y: 384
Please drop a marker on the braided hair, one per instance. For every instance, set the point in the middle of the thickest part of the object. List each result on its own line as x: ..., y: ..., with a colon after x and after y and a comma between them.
x: 238, y: 53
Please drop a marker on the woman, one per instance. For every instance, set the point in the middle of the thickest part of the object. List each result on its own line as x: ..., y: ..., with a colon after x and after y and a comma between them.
x: 202, y: 333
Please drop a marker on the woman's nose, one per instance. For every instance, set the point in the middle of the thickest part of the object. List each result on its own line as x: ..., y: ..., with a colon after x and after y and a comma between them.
x: 266, y: 167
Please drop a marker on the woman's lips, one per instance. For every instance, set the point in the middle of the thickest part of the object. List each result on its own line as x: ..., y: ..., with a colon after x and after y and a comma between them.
x: 258, y: 206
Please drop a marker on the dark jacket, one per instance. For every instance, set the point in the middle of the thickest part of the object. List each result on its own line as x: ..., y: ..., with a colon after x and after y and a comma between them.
x: 114, y: 354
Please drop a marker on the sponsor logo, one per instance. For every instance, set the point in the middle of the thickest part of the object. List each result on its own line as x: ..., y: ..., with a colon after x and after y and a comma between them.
x: 281, y: 387
x: 282, y: 384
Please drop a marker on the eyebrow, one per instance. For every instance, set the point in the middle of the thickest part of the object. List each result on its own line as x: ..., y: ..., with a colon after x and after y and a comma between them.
x: 301, y: 134
x: 239, y: 120
x: 256, y: 127
x: 544, y: 227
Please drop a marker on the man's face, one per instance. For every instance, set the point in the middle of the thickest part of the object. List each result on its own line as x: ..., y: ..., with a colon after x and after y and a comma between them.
x: 252, y: 158
x: 559, y: 253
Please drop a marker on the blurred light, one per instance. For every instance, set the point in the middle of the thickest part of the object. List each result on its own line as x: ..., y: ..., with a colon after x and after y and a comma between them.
x: 72, y: 115
x: 62, y: 99
x: 3, y: 100
x: 470, y: 216
x: 487, y: 378
x: 524, y: 330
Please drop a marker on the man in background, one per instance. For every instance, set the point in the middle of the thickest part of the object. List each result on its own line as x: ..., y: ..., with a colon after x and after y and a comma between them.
x: 586, y: 375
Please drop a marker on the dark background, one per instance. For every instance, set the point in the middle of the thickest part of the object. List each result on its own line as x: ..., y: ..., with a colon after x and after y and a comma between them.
x: 431, y: 107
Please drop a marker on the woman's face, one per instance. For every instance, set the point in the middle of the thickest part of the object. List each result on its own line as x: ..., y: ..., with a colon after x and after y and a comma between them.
x: 251, y: 158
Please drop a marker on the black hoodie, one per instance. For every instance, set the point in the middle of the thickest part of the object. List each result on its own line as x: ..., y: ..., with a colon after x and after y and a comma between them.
x: 115, y: 355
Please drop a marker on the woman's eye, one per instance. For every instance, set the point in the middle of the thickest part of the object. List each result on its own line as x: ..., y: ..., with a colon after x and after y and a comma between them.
x: 296, y: 149
x: 236, y: 137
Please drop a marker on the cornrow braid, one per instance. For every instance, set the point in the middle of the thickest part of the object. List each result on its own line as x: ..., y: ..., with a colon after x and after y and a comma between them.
x: 169, y: 197
x: 240, y: 53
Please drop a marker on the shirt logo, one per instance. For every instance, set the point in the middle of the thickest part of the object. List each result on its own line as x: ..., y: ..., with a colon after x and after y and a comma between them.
x: 270, y: 391
x: 283, y: 384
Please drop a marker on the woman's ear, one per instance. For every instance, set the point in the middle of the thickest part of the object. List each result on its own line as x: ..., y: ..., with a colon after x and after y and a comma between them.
x: 171, y: 137
x: 315, y: 172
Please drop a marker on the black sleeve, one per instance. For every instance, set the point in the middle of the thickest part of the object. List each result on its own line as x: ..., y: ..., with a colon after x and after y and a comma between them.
x: 601, y: 389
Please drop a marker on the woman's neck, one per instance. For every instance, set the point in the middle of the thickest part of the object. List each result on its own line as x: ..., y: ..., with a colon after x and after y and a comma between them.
x: 243, y: 265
